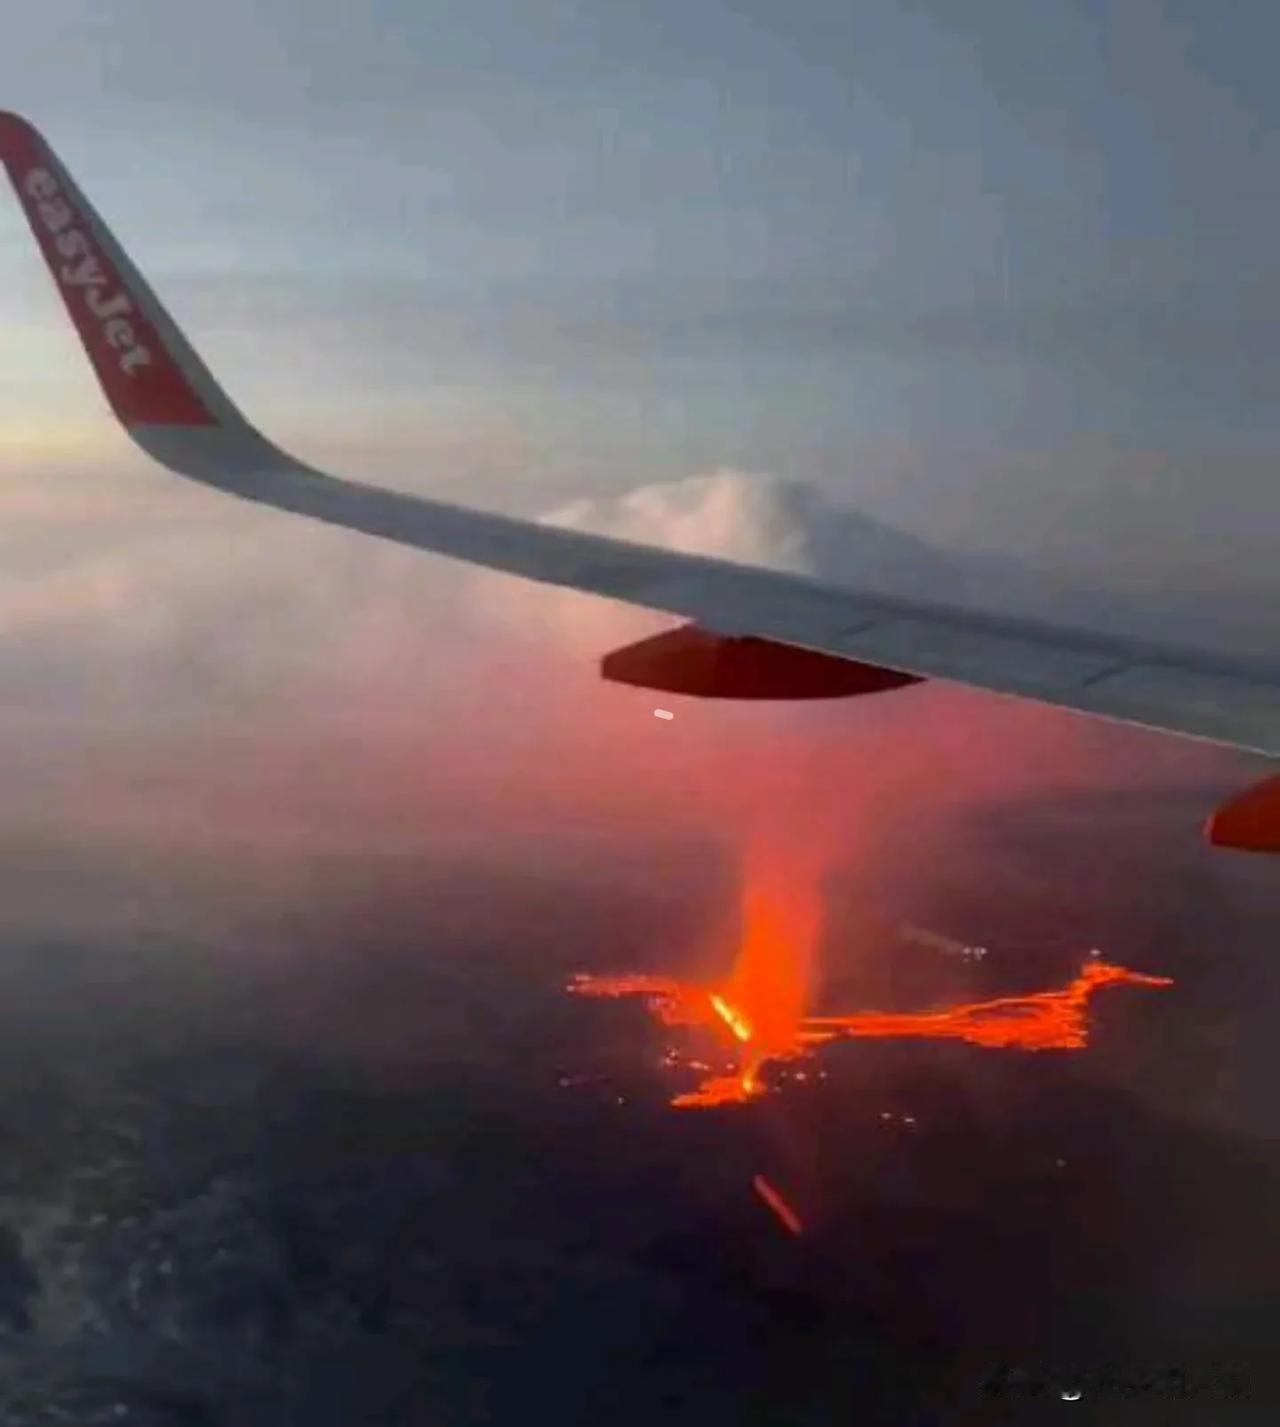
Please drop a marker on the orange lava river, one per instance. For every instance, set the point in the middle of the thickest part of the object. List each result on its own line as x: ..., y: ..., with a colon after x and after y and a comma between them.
x: 759, y: 1012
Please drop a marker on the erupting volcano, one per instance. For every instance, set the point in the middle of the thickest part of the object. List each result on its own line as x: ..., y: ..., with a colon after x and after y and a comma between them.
x: 759, y: 1012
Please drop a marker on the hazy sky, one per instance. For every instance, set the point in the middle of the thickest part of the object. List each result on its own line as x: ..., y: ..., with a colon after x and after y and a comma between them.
x: 1005, y: 282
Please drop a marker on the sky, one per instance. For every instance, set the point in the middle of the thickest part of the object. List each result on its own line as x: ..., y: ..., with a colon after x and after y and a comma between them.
x: 1007, y: 286
x: 972, y: 308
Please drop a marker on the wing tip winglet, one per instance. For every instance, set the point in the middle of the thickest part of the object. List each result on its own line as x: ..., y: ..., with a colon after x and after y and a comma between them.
x: 15, y: 124
x: 143, y: 365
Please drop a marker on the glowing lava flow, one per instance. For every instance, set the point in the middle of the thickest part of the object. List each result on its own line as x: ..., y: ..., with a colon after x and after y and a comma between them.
x: 785, y: 1214
x: 759, y: 1012
x: 1042, y: 1020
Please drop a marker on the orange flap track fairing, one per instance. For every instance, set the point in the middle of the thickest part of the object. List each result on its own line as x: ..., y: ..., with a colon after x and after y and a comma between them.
x: 1249, y: 822
x: 695, y: 661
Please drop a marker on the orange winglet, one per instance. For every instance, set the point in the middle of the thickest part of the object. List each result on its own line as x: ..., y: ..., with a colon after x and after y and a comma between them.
x: 1249, y: 822
x: 142, y: 380
x: 690, y: 660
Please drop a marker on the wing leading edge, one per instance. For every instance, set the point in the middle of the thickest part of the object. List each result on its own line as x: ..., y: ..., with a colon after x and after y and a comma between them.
x: 170, y: 404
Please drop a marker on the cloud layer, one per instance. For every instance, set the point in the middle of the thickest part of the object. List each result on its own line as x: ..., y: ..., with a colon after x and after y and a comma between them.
x: 216, y: 672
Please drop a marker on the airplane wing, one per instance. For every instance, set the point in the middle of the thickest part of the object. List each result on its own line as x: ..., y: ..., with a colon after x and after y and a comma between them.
x: 170, y: 404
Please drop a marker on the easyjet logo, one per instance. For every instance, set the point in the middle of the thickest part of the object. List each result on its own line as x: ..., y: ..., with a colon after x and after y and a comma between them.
x: 82, y: 270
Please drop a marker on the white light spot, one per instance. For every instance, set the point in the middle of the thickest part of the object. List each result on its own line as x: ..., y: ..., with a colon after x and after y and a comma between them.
x: 663, y: 713
x: 1072, y: 1396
